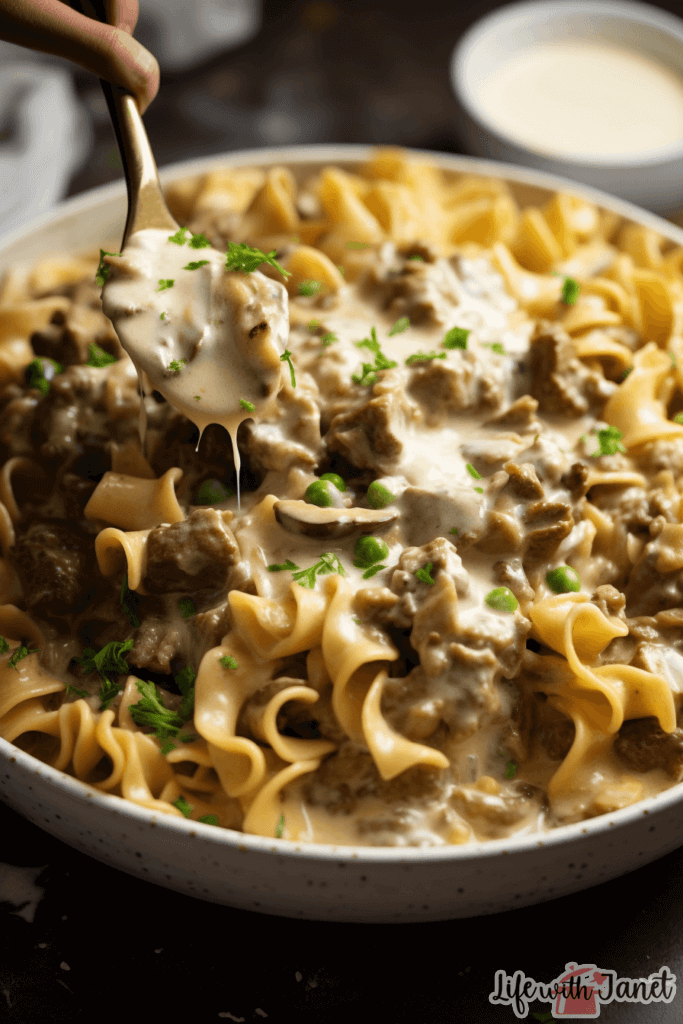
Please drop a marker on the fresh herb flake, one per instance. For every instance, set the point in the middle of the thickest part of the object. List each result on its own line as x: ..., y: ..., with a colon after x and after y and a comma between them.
x: 183, y: 806
x: 288, y: 566
x: 200, y: 241
x: 98, y: 357
x: 327, y: 563
x: 150, y: 712
x: 186, y: 607
x: 245, y: 258
x: 610, y: 442
x: 286, y: 357
x: 456, y: 338
x: 510, y: 769
x: 195, y: 264
x: 401, y: 325
x: 357, y: 245
x: 280, y: 827
x: 106, y: 662
x: 103, y: 270
x: 165, y: 283
x: 421, y: 357
x: 248, y: 406
x: 309, y: 287
x: 179, y: 237
x: 227, y: 661
x: 209, y: 819
x: 570, y: 291
x: 4, y: 646
x: 176, y: 365
x: 19, y: 655
x: 472, y: 471
x: 328, y: 339
x: 424, y: 574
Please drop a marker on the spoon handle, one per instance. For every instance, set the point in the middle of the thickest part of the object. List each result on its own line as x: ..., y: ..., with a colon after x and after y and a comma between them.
x: 146, y: 204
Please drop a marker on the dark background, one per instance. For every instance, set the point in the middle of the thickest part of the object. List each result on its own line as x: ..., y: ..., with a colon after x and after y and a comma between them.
x: 105, y: 947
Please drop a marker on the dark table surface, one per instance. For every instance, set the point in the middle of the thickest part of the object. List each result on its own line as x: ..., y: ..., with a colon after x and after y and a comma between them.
x: 80, y: 941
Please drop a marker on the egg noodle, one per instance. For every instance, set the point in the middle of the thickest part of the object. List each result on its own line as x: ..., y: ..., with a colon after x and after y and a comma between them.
x: 449, y: 604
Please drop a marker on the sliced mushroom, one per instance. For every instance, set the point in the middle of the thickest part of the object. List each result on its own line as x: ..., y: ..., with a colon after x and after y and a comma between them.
x: 300, y: 517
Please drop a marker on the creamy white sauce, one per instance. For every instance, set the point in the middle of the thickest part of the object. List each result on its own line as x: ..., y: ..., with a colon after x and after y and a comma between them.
x: 580, y: 98
x: 207, y: 324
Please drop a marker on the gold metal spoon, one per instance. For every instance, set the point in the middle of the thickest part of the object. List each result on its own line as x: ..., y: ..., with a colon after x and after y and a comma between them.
x: 146, y: 204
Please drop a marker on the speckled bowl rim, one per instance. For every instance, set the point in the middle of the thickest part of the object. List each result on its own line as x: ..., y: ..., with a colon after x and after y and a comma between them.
x: 72, y: 787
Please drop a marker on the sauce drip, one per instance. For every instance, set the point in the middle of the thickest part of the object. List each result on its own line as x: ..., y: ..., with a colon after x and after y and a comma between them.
x: 206, y: 338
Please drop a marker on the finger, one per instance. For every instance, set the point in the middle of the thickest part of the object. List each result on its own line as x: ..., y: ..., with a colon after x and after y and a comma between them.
x: 111, y: 53
x: 123, y: 14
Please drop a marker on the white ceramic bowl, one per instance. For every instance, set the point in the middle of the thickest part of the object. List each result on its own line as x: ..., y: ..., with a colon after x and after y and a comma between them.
x: 324, y: 882
x: 653, y: 179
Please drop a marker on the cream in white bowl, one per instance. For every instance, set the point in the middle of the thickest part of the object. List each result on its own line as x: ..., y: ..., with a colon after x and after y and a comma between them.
x: 593, y: 90
x: 325, y: 881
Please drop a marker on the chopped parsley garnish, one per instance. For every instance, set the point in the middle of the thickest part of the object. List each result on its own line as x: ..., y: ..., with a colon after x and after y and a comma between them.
x: 249, y: 406
x: 310, y: 287
x: 195, y: 265
x: 286, y: 357
x: 162, y: 316
x: 454, y: 530
x: 341, y: 270
x: 285, y: 567
x: 98, y: 357
x: 510, y: 769
x: 570, y: 291
x: 502, y: 600
x: 280, y: 827
x: 20, y: 653
x: 74, y: 689
x: 626, y: 372
x: 212, y: 492
x: 563, y: 580
x: 417, y: 257
x: 378, y: 496
x: 4, y: 646
x: 227, y: 661
x: 456, y: 338
x: 183, y: 806
x: 241, y: 256
x: 128, y: 601
x: 421, y: 357
x: 165, y: 283
x: 313, y: 325
x: 186, y: 607
x: 197, y: 398
x: 472, y: 471
x: 328, y: 339
x: 327, y: 563
x: 673, y: 360
x: 176, y: 365
x: 678, y: 418
x: 401, y: 325
x: 200, y: 241
x: 495, y: 346
x: 357, y: 245
x: 424, y: 574
x: 103, y: 270
x: 108, y: 661
x: 185, y: 681
x: 209, y: 819
x: 369, y: 374
x: 151, y: 712
x: 179, y: 237
x: 479, y: 490
x: 35, y: 373
x: 610, y: 442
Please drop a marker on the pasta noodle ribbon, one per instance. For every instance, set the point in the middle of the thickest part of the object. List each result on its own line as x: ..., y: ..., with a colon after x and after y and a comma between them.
x: 537, y: 293
x: 276, y: 629
x: 350, y: 651
x: 219, y: 696
x: 133, y: 503
x: 265, y: 810
x: 289, y: 748
x: 273, y: 209
x: 111, y: 546
x: 308, y: 264
x: 608, y: 695
x: 17, y: 625
x: 635, y: 408
x: 391, y: 752
x: 16, y: 465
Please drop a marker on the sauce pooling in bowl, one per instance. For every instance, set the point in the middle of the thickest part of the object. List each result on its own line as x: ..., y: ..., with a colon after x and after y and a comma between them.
x: 208, y: 339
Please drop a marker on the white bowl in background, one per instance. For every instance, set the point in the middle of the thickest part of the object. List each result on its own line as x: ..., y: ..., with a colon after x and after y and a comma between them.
x: 650, y: 178
x: 324, y: 882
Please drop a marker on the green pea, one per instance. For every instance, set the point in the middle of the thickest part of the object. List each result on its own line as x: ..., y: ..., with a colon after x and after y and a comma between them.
x: 319, y: 493
x: 379, y: 496
x: 502, y: 599
x: 335, y: 479
x: 368, y: 551
x: 563, y: 580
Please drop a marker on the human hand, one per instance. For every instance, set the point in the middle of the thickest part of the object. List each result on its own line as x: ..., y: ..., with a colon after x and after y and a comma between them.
x: 108, y: 50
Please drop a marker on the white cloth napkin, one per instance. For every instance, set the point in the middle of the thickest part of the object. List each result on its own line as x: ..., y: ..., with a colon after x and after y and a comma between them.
x: 45, y: 134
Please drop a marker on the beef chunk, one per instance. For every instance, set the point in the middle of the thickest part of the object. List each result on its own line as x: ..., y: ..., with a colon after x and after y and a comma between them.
x: 561, y: 383
x: 367, y: 435
x: 156, y: 643
x: 197, y: 554
x: 643, y: 745
x: 54, y: 564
